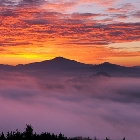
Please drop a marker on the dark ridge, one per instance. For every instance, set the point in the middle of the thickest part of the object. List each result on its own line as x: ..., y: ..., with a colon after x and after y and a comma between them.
x: 58, y: 63
x: 5, y: 67
x: 116, y: 70
x: 102, y: 74
x: 138, y: 67
x: 61, y: 64
x: 109, y: 66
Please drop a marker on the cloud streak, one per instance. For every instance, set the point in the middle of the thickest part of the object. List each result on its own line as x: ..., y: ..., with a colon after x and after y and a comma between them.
x: 25, y: 26
x: 52, y: 25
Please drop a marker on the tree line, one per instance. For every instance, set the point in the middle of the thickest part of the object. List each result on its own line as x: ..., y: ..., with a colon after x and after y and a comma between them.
x: 28, y: 134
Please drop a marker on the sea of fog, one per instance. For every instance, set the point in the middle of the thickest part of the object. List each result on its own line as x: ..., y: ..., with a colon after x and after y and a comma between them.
x: 81, y: 106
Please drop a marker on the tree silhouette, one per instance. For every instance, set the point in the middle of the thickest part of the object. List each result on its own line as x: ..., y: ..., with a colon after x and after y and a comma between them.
x: 28, y: 132
x: 107, y: 138
x: 95, y: 138
x: 29, y: 135
x: 2, y: 137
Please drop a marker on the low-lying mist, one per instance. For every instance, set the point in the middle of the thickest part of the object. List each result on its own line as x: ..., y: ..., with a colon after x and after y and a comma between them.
x: 89, y: 106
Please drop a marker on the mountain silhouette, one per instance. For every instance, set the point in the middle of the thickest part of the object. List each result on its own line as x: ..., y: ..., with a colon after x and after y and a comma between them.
x: 138, y: 67
x: 5, y: 67
x: 106, y: 66
x: 60, y: 64
x: 116, y: 70
x: 102, y: 74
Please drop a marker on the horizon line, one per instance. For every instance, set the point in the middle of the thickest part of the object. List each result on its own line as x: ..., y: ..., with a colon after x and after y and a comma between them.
x: 57, y: 57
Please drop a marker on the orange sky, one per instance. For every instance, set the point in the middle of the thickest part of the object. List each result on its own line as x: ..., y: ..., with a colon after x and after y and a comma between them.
x: 36, y: 31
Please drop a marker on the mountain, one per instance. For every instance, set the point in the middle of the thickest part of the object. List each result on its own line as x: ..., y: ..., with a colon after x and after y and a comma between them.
x: 116, y: 70
x: 105, y: 74
x: 58, y: 63
x: 72, y: 67
x: 108, y: 67
x: 5, y: 67
x: 138, y: 67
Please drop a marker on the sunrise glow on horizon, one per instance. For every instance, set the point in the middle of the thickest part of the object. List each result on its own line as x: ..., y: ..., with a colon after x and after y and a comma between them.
x: 88, y: 31
x: 70, y: 67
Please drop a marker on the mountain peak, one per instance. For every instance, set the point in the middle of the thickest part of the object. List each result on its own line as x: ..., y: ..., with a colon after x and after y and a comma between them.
x: 102, y: 74
x: 59, y: 58
x: 106, y: 63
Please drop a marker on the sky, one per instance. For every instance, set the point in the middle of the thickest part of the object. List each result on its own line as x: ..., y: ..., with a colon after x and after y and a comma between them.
x: 89, y: 31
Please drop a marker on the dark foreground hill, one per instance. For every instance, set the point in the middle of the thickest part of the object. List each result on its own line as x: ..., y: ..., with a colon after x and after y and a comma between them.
x: 63, y: 65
